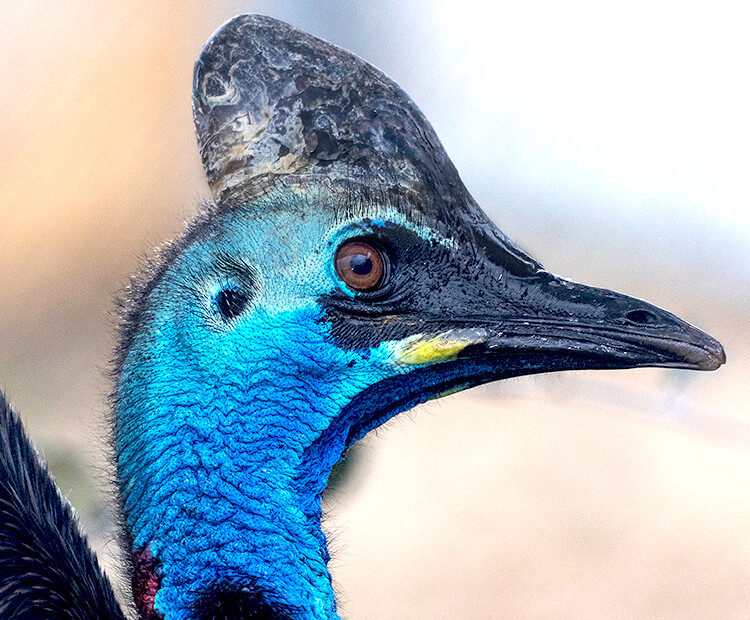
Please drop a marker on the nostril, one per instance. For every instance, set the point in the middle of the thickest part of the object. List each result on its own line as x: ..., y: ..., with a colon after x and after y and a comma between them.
x: 641, y: 317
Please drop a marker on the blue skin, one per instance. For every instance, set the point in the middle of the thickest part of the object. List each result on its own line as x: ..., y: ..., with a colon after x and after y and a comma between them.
x: 214, y: 414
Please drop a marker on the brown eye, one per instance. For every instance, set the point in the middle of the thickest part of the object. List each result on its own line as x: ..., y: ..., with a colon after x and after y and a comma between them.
x: 360, y: 265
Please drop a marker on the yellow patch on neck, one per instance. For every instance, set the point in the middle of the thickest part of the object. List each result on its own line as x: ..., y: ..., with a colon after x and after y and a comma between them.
x: 445, y: 347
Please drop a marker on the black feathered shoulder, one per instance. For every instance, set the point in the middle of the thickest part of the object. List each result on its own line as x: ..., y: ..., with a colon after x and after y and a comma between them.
x: 47, y: 569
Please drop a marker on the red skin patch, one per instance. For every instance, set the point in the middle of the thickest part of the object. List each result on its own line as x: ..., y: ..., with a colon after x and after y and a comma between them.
x: 146, y: 582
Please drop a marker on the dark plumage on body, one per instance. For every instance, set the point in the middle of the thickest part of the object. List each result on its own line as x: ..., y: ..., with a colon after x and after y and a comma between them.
x: 47, y: 571
x: 343, y: 274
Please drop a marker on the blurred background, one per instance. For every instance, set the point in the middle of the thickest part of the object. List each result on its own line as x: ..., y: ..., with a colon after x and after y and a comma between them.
x: 608, y: 139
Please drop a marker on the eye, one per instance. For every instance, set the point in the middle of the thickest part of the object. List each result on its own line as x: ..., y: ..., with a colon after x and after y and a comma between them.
x: 231, y: 303
x: 361, y: 266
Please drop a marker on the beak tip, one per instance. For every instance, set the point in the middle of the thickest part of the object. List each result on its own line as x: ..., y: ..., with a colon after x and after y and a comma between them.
x: 716, y: 357
x: 704, y: 353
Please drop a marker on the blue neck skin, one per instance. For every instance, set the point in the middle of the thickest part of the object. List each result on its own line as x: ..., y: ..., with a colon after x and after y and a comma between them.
x: 227, y: 428
x: 219, y: 481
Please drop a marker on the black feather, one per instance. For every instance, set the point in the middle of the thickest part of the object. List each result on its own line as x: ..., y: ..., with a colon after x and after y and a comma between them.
x: 47, y: 569
x: 230, y: 601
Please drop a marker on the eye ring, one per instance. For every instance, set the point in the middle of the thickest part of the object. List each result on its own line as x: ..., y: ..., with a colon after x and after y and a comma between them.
x: 361, y: 265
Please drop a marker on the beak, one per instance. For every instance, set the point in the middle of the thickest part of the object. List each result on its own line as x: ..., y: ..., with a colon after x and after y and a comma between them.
x: 519, y: 325
x: 557, y: 324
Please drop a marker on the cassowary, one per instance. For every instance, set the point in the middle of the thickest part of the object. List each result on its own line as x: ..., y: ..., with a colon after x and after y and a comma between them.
x: 343, y: 274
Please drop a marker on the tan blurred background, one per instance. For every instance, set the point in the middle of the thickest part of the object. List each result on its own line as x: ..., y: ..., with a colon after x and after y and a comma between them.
x: 611, y: 143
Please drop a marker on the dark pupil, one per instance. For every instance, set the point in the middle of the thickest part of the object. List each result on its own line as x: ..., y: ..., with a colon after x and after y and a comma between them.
x: 231, y: 303
x: 360, y: 264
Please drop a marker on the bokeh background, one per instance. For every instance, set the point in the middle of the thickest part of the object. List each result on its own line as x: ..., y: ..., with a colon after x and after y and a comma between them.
x: 609, y: 139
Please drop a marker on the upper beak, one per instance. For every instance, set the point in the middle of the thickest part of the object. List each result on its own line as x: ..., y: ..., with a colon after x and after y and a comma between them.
x: 557, y: 324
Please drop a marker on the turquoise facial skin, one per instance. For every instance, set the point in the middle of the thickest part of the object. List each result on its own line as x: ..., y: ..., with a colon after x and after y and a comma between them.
x: 214, y: 414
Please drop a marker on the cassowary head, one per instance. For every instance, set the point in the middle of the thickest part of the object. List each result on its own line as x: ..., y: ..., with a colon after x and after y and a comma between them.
x: 343, y: 274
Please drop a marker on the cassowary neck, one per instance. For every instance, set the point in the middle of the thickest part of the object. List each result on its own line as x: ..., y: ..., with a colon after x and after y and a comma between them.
x: 222, y: 483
